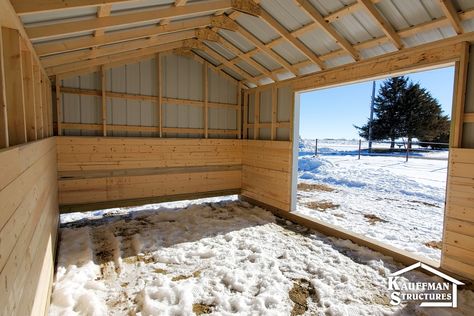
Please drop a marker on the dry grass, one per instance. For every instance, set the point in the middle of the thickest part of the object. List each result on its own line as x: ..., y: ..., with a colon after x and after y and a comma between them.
x: 321, y: 206
x: 302, y: 186
x: 434, y: 244
x: 373, y: 219
x: 202, y: 309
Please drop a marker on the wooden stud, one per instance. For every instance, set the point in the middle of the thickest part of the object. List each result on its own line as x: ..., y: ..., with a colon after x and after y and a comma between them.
x: 450, y: 12
x: 14, y: 86
x: 239, y: 110
x: 59, y: 116
x: 3, y: 100
x: 246, y: 115
x: 159, y: 93
x: 459, y: 98
x: 205, y: 94
x: 29, y: 94
x: 274, y: 112
x: 103, y: 80
x: 45, y: 105
x: 38, y: 101
x: 256, y: 115
x: 386, y: 27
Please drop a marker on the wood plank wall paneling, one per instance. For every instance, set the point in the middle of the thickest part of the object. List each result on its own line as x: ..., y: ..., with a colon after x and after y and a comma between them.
x: 98, y: 169
x: 266, y: 172
x: 458, y: 245
x: 28, y: 226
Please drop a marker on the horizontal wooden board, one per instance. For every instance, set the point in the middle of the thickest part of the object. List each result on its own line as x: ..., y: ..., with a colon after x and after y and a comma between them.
x: 266, y: 172
x: 29, y: 219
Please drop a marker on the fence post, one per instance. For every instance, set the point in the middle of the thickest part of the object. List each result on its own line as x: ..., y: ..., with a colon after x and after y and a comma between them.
x: 360, y: 144
x: 408, y: 150
x: 316, y: 147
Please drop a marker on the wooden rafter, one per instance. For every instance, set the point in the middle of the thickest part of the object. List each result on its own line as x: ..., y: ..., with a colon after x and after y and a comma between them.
x: 255, y: 41
x: 450, y: 12
x: 277, y: 26
x: 102, y: 11
x: 177, y: 3
x: 227, y: 63
x: 386, y: 27
x: 43, y: 49
x: 319, y: 19
x: 151, y: 15
x: 23, y: 7
x: 66, y: 58
x: 111, y: 59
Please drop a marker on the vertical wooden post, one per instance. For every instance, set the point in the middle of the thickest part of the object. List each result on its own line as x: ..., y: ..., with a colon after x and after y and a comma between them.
x: 14, y: 86
x: 28, y: 95
x: 50, y: 106
x: 256, y: 121
x: 246, y: 115
x: 3, y: 100
x: 239, y: 110
x: 44, y: 101
x: 59, y: 105
x: 274, y: 112
x: 103, y: 87
x: 292, y: 116
x: 38, y: 100
x: 205, y: 95
x: 459, y: 98
x: 159, y: 92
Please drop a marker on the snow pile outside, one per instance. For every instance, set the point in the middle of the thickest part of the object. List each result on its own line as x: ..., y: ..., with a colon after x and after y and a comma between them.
x: 393, y: 201
x: 218, y: 258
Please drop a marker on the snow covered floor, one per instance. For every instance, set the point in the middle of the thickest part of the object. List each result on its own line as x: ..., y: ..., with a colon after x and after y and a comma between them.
x: 218, y: 257
x: 393, y: 201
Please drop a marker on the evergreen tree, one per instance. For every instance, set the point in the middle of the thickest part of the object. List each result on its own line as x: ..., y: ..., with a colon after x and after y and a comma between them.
x: 404, y: 109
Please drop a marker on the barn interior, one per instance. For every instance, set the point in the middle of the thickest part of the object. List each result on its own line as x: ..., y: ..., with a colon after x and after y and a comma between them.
x: 117, y: 103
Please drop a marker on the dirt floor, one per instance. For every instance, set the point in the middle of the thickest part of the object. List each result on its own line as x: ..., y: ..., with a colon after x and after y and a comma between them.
x: 217, y: 258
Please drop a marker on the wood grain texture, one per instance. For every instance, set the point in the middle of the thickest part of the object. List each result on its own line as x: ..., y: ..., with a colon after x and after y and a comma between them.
x: 28, y: 227
x: 97, y: 169
x: 266, y: 172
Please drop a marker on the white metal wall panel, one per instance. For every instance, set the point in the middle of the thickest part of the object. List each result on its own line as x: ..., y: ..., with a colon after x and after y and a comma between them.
x: 266, y: 106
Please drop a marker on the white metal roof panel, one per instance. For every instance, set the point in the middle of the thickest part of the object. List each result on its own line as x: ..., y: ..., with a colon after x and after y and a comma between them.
x: 319, y: 41
x: 238, y: 40
x: 257, y: 27
x: 220, y: 50
x: 266, y: 61
x: 287, y: 13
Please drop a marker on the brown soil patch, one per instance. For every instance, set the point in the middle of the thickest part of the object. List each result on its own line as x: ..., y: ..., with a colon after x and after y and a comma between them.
x: 299, y: 294
x: 202, y: 309
x: 314, y: 187
x: 373, y: 219
x: 434, y: 244
x: 196, y: 274
x: 321, y: 206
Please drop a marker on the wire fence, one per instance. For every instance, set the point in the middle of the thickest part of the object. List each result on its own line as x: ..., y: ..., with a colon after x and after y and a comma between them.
x: 398, y: 148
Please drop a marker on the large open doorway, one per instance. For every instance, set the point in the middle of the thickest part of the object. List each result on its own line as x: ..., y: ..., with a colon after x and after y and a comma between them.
x: 388, y: 186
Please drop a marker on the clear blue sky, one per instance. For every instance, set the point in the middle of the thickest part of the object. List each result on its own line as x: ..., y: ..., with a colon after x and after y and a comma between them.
x: 331, y: 113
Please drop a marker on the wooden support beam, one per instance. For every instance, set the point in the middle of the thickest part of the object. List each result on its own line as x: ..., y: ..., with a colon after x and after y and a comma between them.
x: 3, y: 100
x: 14, y: 86
x: 38, y: 100
x: 274, y: 112
x: 29, y: 93
x: 319, y: 19
x: 256, y: 116
x: 150, y: 15
x: 277, y: 26
x: 103, y: 10
x: 386, y: 27
x: 205, y: 96
x: 103, y: 86
x: 246, y: 6
x: 248, y: 77
x: 44, y: 49
x: 159, y: 93
x: 241, y: 55
x: 77, y: 56
x: 459, y: 97
x: 113, y: 59
x: 246, y: 115
x: 239, y: 110
x: 451, y: 13
x: 23, y: 7
x: 59, y: 105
